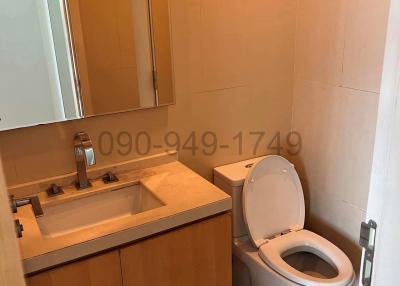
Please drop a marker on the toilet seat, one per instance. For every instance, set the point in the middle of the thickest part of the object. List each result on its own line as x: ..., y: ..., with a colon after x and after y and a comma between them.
x: 273, y: 211
x: 303, y: 240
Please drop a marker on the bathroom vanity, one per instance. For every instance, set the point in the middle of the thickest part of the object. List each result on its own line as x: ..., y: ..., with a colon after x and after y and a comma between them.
x: 159, y: 223
x: 185, y: 256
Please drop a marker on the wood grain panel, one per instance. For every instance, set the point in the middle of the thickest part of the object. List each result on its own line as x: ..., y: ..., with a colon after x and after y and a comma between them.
x: 163, y: 52
x: 103, y: 270
x: 198, y: 254
x: 104, y: 44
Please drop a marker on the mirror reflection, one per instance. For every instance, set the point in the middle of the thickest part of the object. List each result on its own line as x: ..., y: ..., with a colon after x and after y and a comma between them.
x: 83, y: 58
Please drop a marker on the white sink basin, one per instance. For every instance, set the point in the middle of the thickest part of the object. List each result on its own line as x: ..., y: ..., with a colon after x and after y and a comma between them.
x: 96, y: 209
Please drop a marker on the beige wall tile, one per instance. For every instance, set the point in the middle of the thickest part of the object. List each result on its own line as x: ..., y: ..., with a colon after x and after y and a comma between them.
x: 320, y: 38
x: 233, y: 44
x: 45, y: 151
x: 338, y: 131
x: 341, y: 42
x: 270, y: 39
x: 364, y: 44
x: 258, y: 98
x: 245, y: 109
x: 339, y: 52
x: 224, y: 49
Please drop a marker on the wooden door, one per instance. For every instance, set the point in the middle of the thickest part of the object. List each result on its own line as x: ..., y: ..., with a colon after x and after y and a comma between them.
x: 102, y: 270
x: 199, y: 254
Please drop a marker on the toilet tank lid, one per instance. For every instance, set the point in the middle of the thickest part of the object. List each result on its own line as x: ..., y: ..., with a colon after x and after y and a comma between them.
x: 236, y: 173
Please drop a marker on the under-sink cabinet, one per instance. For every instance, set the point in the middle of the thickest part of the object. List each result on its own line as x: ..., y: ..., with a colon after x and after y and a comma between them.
x: 197, y: 254
x: 99, y: 270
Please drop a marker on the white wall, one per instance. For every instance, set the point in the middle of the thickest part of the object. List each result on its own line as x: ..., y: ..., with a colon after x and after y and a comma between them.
x: 29, y: 85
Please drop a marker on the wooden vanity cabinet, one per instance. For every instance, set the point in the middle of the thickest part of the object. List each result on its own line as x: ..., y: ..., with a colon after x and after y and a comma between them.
x: 197, y: 254
x: 101, y: 270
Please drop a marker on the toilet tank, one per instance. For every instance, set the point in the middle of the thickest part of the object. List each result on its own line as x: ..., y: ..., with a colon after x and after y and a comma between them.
x: 230, y: 178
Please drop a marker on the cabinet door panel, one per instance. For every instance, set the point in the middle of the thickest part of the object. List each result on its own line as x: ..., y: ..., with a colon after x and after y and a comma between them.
x: 199, y: 254
x: 102, y: 270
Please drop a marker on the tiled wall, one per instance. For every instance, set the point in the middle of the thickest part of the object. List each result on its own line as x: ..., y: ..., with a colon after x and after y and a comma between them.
x: 338, y: 66
x: 234, y: 69
x: 233, y: 64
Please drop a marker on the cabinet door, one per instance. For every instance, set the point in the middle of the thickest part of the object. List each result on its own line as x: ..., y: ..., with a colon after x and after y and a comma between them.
x: 102, y: 270
x: 199, y: 254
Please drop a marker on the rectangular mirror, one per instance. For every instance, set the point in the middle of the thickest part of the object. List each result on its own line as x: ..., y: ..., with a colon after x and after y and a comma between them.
x: 71, y: 59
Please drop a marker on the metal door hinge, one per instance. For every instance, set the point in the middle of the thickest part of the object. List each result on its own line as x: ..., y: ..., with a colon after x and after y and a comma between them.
x: 367, y: 241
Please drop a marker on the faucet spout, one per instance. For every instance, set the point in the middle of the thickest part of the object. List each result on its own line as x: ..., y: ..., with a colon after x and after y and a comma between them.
x: 84, y: 157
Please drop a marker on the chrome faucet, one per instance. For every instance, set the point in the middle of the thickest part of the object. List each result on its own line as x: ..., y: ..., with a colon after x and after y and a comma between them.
x: 84, y: 156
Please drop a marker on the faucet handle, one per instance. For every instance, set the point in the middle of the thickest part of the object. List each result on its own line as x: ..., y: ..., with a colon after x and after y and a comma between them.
x: 33, y: 201
x: 13, y: 204
x: 110, y: 178
x: 54, y: 191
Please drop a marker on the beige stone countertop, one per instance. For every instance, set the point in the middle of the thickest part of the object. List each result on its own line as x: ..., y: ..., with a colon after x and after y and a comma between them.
x: 187, y: 198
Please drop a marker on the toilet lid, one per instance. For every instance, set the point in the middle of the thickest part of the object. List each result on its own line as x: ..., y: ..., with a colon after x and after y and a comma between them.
x: 273, y: 200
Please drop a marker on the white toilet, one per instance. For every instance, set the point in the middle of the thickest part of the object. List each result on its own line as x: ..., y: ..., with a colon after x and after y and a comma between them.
x: 271, y: 246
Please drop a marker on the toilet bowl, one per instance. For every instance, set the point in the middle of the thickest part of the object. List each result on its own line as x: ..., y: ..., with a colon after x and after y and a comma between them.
x: 271, y: 246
